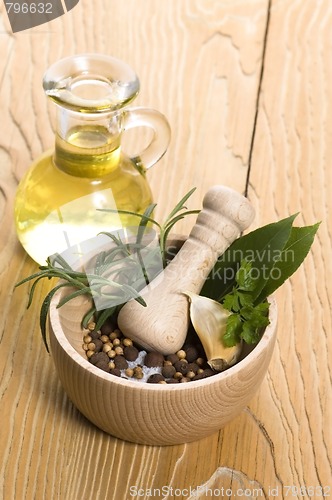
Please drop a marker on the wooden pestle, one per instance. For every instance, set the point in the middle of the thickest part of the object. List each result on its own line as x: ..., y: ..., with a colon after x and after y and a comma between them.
x: 163, y: 324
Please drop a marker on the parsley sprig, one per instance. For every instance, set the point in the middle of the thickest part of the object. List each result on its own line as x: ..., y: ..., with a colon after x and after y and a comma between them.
x: 247, y: 319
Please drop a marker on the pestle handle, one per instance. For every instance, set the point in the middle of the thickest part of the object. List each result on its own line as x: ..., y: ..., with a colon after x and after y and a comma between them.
x: 163, y: 324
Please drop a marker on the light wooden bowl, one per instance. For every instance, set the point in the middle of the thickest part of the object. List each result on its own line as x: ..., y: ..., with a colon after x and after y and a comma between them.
x: 154, y: 414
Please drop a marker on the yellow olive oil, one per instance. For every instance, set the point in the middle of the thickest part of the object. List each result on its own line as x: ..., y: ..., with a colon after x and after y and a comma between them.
x: 58, y: 201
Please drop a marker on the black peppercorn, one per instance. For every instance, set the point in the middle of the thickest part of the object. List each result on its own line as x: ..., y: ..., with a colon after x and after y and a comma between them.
x: 172, y: 381
x: 154, y: 359
x: 205, y: 373
x: 94, y: 334
x: 103, y: 366
x: 155, y: 378
x: 181, y: 366
x: 99, y: 357
x: 107, y: 328
x: 130, y: 353
x: 168, y: 371
x: 120, y: 362
x: 192, y: 367
x: 191, y: 354
x: 172, y: 358
x: 98, y: 345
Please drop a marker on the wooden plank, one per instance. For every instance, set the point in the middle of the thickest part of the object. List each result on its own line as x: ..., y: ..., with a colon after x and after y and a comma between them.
x: 199, y: 63
x: 291, y: 172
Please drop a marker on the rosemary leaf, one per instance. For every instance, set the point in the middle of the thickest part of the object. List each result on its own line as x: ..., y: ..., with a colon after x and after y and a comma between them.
x: 103, y: 316
x: 73, y: 295
x: 43, y: 274
x: 144, y: 221
x: 179, y: 206
x: 173, y: 221
x: 88, y: 316
x: 128, y: 212
x: 32, y: 290
x: 57, y: 258
x: 44, y: 311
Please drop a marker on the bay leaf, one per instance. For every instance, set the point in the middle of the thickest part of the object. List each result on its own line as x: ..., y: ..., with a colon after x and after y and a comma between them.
x: 262, y: 247
x: 292, y: 256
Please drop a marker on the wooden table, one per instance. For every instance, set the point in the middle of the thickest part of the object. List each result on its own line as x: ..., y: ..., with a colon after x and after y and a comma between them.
x: 247, y: 88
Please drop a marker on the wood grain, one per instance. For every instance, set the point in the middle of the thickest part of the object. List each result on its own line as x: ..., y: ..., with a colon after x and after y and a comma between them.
x: 292, y: 148
x: 200, y: 63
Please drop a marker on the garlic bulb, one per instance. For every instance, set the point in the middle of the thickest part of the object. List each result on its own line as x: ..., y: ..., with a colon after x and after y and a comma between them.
x: 209, y: 319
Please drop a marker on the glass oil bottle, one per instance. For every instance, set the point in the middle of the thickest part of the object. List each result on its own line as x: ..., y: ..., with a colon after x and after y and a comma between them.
x: 60, y: 202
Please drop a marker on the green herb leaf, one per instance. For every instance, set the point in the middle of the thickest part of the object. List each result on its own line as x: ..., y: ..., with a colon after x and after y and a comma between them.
x: 231, y: 301
x: 104, y: 315
x: 247, y: 320
x: 88, y: 316
x: 179, y: 206
x: 173, y: 217
x: 144, y: 221
x: 128, y: 212
x: 57, y: 258
x: 249, y: 334
x: 44, y: 311
x: 292, y: 256
x: 261, y: 247
x: 31, y: 277
x: 73, y: 295
x: 244, y: 277
x: 233, y: 331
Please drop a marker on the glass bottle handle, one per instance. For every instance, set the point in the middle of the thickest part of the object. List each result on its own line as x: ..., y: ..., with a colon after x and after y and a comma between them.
x: 145, y: 117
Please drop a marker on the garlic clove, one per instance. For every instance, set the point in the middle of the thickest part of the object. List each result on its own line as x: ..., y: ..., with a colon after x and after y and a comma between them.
x: 209, y: 318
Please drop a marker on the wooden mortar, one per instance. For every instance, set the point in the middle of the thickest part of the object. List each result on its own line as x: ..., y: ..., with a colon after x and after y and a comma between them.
x: 162, y: 325
x: 153, y: 414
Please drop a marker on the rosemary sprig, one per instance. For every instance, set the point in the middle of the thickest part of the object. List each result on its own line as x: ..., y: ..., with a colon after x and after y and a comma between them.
x: 109, y: 280
x: 177, y: 213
